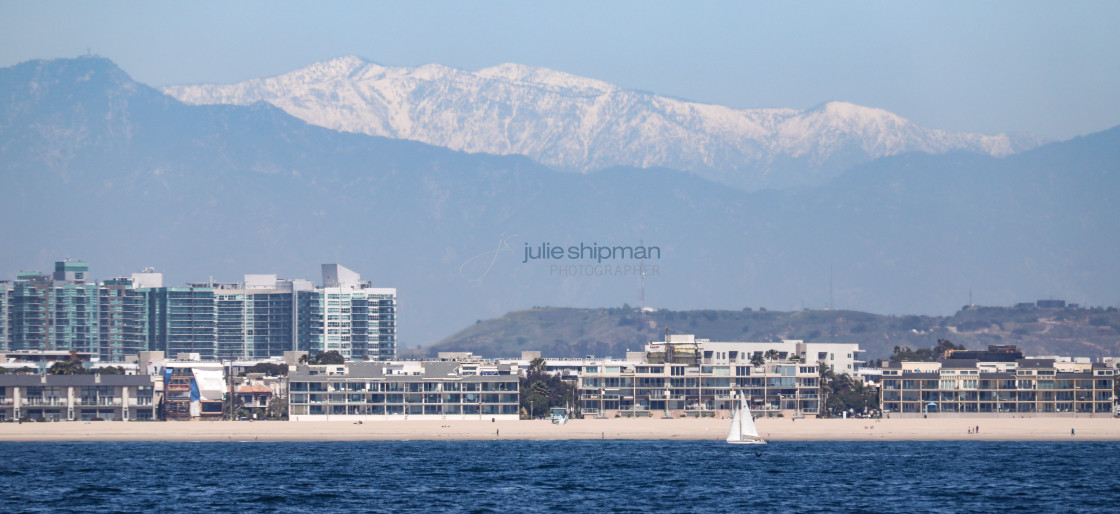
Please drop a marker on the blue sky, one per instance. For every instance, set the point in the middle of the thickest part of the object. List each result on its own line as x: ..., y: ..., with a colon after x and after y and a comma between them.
x: 1049, y: 68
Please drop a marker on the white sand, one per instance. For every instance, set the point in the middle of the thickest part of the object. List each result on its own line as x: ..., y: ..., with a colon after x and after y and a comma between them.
x: 775, y: 429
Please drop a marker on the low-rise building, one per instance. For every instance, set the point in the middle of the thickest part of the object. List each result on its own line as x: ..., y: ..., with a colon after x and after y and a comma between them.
x: 685, y: 376
x: 408, y: 390
x: 254, y: 397
x: 962, y: 387
x: 194, y: 390
x: 77, y: 397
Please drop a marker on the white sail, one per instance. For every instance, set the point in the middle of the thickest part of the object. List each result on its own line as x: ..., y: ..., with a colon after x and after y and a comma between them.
x: 748, y: 429
x: 736, y: 433
x: 742, y: 429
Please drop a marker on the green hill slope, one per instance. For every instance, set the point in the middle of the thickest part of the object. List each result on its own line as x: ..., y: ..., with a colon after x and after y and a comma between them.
x: 569, y: 332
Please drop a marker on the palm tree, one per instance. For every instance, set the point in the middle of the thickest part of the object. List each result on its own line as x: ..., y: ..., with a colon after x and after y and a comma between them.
x: 541, y: 391
x: 771, y: 355
x: 758, y: 361
x: 826, y: 378
x: 537, y: 366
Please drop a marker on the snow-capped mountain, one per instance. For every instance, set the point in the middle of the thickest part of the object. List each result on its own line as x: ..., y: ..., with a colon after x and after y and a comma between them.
x: 576, y: 123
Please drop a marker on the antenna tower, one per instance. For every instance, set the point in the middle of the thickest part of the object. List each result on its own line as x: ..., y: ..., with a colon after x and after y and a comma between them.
x: 829, y: 287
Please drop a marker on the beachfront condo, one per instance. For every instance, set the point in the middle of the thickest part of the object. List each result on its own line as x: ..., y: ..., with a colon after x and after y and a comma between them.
x: 407, y: 390
x: 963, y: 387
x: 77, y: 397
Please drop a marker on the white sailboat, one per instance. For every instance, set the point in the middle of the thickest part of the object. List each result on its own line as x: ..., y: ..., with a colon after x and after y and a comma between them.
x: 743, y: 430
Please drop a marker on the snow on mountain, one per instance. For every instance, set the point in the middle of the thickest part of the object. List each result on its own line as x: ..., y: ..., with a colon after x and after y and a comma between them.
x: 576, y: 123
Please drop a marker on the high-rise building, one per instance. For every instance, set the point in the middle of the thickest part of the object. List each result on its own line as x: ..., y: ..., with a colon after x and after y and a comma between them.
x: 259, y: 318
x: 256, y: 319
x: 70, y: 272
x: 229, y: 305
x: 311, y: 321
x: 74, y: 304
x: 29, y: 312
x: 349, y: 316
x: 378, y: 337
x: 182, y: 320
x: 123, y: 319
x: 5, y: 300
x: 53, y: 312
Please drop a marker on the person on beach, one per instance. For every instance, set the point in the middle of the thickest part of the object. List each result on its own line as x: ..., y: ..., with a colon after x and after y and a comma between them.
x: 1071, y: 432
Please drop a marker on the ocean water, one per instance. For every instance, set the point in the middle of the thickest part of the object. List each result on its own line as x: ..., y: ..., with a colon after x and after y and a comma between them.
x: 564, y: 476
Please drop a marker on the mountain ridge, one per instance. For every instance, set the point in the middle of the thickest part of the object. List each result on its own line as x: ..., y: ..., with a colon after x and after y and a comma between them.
x: 576, y: 123
x: 560, y: 332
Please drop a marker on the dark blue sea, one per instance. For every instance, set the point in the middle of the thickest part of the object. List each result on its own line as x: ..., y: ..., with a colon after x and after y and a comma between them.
x: 564, y: 476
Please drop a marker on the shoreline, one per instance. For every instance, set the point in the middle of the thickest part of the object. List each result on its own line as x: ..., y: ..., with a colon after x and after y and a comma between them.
x: 773, y: 429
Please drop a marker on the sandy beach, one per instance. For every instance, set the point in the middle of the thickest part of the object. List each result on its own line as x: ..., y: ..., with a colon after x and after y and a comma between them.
x: 774, y: 429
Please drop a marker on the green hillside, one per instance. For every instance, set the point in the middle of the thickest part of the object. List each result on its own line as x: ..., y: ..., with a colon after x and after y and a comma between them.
x: 568, y: 332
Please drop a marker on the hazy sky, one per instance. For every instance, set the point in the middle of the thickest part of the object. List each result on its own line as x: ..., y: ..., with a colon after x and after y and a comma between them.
x: 1050, y: 68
